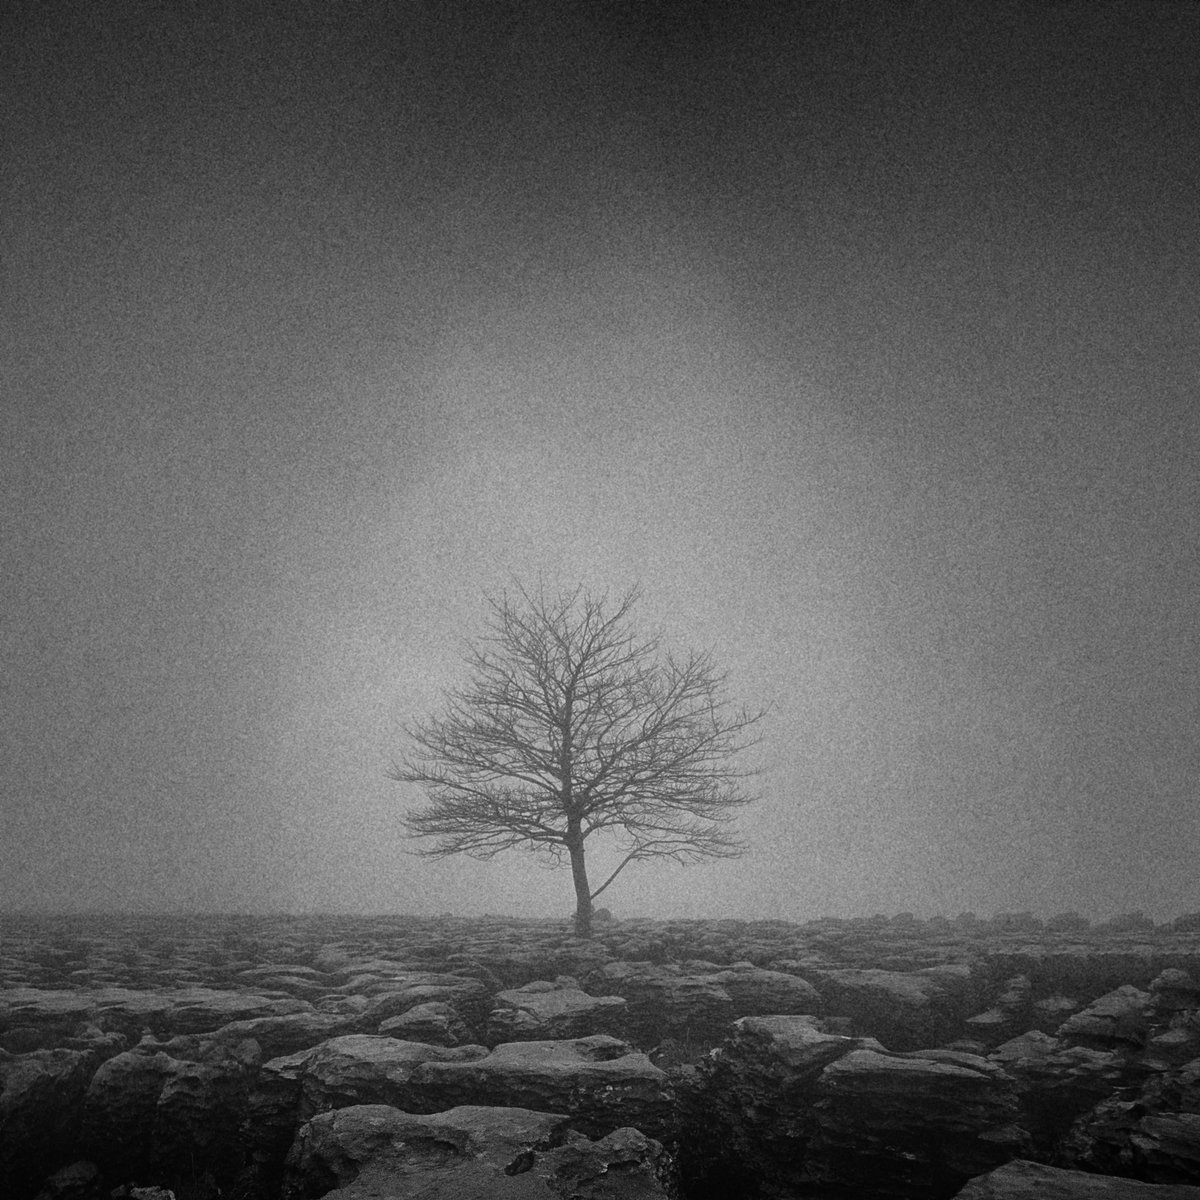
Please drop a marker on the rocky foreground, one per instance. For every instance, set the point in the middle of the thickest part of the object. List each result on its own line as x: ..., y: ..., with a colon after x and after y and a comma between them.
x: 289, y: 1058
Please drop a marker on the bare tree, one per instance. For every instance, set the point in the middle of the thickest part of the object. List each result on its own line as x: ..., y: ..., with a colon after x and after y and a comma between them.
x: 574, y: 726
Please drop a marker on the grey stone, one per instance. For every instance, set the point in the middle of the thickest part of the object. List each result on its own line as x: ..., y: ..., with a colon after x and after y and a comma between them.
x: 470, y: 1153
x: 600, y: 1081
x: 542, y: 1011
x: 1024, y: 1180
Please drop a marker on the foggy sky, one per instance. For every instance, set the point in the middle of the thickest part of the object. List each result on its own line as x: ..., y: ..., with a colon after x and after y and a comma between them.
x: 864, y: 336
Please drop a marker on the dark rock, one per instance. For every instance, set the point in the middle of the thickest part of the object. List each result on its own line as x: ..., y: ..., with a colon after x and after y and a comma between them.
x: 350, y: 1070
x: 756, y: 992
x: 21, y: 1039
x: 196, y: 1122
x: 1174, y: 991
x: 786, y: 1107
x: 220, y: 995
x: 601, y: 1082
x: 374, y: 1143
x: 149, y: 1112
x: 1166, y: 1148
x: 79, y: 1180
x: 664, y: 1002
x: 622, y: 1165
x: 1120, y: 1018
x: 119, y: 1110
x: 470, y: 1153
x: 1050, y: 1012
x: 904, y: 1010
x: 470, y: 998
x: 1024, y: 1180
x: 331, y: 960
x: 1175, y: 1045
x: 1153, y: 1135
x: 1056, y: 1082
x: 283, y: 1035
x: 437, y: 1023
x: 359, y: 1069
x: 542, y: 1011
x: 41, y: 1106
x: 164, y: 1012
x: 1010, y: 1015
x: 746, y: 1112
x: 1091, y: 968
x: 911, y: 1125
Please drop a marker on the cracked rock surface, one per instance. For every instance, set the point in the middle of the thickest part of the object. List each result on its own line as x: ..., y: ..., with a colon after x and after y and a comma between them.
x: 469, y: 1153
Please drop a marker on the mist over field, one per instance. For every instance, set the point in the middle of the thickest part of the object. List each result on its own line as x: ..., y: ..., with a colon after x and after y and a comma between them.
x: 863, y: 337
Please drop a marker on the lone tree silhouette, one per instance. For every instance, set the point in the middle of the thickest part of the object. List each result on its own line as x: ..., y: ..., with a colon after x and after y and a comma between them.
x: 574, y: 725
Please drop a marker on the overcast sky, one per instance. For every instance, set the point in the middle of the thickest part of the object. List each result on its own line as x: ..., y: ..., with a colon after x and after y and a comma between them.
x: 863, y: 335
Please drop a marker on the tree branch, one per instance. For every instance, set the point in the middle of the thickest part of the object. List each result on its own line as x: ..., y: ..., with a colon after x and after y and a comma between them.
x: 572, y: 721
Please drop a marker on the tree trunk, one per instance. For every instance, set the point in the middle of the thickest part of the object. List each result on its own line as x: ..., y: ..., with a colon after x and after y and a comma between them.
x: 583, y: 891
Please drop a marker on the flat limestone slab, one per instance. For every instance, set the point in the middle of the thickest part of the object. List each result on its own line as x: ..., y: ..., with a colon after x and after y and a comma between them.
x: 179, y: 1010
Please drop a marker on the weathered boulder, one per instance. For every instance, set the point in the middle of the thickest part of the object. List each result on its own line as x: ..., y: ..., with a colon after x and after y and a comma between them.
x: 1057, y: 1082
x: 664, y: 1002
x: 757, y: 992
x: 786, y: 1107
x: 1174, y: 991
x: 282, y: 1035
x: 289, y: 981
x: 1166, y: 1147
x: 1120, y: 1018
x: 80, y: 1180
x: 147, y: 1110
x: 469, y: 1153
x: 197, y: 1120
x: 205, y: 1048
x: 437, y: 1023
x: 163, y: 1011
x: 41, y: 1106
x: 364, y: 971
x: 344, y: 1071
x: 746, y: 1111
x: 1024, y: 1180
x: 55, y: 1011
x: 1176, y: 1044
x: 374, y: 1142
x: 911, y: 1125
x: 21, y: 1039
x: 202, y: 1010
x: 519, y: 958
x: 360, y: 1069
x: 470, y: 998
x: 601, y: 1082
x: 351, y: 1005
x: 905, y: 1010
x: 767, y: 1055
x: 119, y: 1110
x: 1154, y: 1136
x: 1051, y: 1011
x: 1088, y: 969
x: 1174, y: 1011
x: 544, y: 1011
x: 622, y: 1165
x: 256, y: 977
x: 1010, y: 1014
x: 331, y: 960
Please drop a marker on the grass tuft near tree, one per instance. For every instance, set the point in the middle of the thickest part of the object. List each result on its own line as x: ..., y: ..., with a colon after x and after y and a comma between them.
x: 575, y: 726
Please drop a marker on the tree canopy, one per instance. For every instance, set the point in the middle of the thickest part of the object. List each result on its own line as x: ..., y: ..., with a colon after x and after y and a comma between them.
x: 573, y: 725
